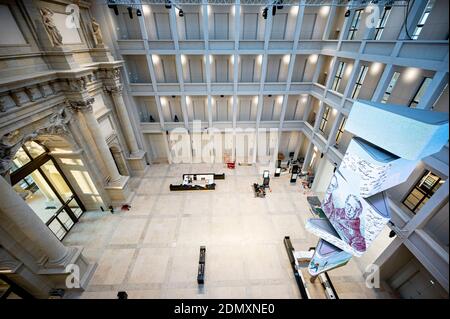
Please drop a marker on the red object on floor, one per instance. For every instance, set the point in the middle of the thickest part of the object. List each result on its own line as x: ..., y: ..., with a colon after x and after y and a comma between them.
x: 126, y: 207
x: 231, y: 165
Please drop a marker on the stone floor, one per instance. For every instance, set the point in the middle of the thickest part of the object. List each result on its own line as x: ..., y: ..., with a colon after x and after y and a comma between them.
x: 152, y: 250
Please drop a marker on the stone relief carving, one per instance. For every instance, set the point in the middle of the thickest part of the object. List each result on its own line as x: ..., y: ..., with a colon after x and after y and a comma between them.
x: 97, y: 33
x: 82, y: 105
x: 53, y: 32
x: 113, y: 88
x: 9, y: 144
x: 57, y: 124
x: 77, y: 84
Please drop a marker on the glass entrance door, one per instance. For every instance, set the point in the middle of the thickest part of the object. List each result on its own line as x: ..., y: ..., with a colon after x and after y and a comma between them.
x: 42, y: 185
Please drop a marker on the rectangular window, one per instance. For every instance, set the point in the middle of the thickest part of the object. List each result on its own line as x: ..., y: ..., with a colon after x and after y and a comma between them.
x: 427, y: 185
x: 338, y: 76
x: 324, y: 121
x: 422, y: 20
x: 390, y: 87
x: 355, y: 24
x: 340, y: 130
x: 420, y: 91
x: 359, y: 81
x: 382, y: 22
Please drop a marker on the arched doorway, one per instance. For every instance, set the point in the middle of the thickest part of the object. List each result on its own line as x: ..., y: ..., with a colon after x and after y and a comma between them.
x: 37, y: 178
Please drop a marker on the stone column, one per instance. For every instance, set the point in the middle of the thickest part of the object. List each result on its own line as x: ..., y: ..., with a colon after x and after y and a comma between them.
x: 117, y: 97
x: 86, y: 108
x: 13, y: 209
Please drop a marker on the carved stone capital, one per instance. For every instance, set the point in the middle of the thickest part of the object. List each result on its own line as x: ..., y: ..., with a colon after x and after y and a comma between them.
x: 82, y: 105
x: 117, y: 89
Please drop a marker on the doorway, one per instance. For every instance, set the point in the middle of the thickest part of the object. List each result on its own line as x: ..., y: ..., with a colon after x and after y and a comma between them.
x: 38, y: 179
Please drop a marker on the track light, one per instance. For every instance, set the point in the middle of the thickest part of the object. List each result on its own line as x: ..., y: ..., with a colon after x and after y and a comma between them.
x: 114, y: 7
x: 168, y: 4
x: 264, y: 13
x: 139, y: 13
x: 181, y: 13
x: 280, y: 4
x: 130, y: 12
x: 347, y: 13
x: 274, y: 10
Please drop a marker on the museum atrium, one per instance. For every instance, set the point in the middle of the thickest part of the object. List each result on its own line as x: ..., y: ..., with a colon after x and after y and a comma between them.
x: 224, y: 149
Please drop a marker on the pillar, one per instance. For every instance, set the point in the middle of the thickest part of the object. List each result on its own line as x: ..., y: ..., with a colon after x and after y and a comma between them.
x: 100, y: 142
x: 117, y: 185
x: 40, y: 259
x: 14, y: 210
x: 117, y: 97
x: 308, y: 157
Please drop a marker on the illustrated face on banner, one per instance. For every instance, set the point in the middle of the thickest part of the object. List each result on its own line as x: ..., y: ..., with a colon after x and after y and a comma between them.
x: 353, y: 217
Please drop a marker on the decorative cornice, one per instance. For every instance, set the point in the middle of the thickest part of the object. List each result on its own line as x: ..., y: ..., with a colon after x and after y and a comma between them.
x: 82, y: 105
x: 57, y: 124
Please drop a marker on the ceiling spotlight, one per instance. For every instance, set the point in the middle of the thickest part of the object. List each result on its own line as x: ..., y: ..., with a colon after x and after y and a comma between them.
x: 392, y: 234
x: 280, y: 4
x: 114, y: 7
x: 139, y: 13
x: 181, y: 13
x: 347, y: 13
x: 264, y: 13
x: 168, y: 4
x: 130, y: 12
x: 274, y: 10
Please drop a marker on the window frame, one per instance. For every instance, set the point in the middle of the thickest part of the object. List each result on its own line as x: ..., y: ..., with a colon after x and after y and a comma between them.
x: 390, y: 88
x: 423, y: 19
x: 359, y: 81
x: 416, y: 101
x: 338, y: 76
x: 382, y: 22
x: 427, y: 194
x: 354, y: 26
x: 340, y: 130
x: 324, y: 120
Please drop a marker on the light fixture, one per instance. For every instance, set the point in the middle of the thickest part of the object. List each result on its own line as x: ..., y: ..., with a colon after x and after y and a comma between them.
x: 183, y: 59
x: 139, y: 13
x: 286, y: 58
x: 294, y: 10
x: 259, y: 59
x: 264, y: 13
x: 313, y: 58
x: 180, y: 13
x: 347, y: 13
x: 324, y: 10
x: 155, y: 59
x: 130, y: 12
x: 280, y: 4
x: 114, y: 7
x: 168, y: 4
x: 375, y: 68
x: 274, y: 10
